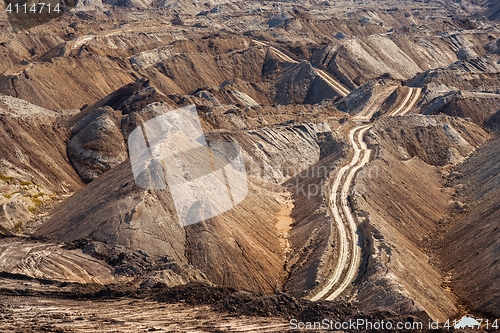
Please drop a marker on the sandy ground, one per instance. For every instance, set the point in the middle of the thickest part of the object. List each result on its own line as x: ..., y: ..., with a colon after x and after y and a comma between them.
x: 284, y: 223
x: 27, y: 314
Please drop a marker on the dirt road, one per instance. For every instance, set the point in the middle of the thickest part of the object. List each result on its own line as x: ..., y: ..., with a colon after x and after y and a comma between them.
x: 347, y: 265
x: 408, y: 103
x: 349, y: 251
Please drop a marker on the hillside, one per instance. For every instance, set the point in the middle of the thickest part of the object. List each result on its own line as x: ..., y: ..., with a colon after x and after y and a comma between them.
x: 469, y: 247
x: 397, y: 265
x: 247, y: 163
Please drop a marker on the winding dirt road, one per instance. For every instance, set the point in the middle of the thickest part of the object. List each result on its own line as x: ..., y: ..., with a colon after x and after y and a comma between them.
x: 349, y: 260
x: 349, y: 251
x: 408, y: 103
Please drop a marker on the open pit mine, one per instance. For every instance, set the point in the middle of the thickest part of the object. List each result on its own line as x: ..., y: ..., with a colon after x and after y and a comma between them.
x: 249, y: 166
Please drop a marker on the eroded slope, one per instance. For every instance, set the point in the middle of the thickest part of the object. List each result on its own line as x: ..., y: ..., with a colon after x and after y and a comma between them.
x: 398, y: 273
x: 470, y: 247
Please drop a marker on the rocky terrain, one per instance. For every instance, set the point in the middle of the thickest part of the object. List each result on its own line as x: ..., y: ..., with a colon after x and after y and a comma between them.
x: 368, y: 133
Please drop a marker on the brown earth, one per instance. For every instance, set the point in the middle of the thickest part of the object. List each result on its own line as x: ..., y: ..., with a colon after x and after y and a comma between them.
x: 253, y: 70
x: 35, y: 172
x: 397, y: 265
x: 469, y: 247
x: 201, y: 309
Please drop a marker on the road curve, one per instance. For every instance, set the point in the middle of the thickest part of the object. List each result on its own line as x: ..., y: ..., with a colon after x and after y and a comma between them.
x: 408, y: 103
x: 349, y: 257
x: 349, y: 260
x: 349, y: 251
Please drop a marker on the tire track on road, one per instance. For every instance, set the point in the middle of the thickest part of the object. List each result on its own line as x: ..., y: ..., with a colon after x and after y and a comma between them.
x: 349, y: 251
x: 408, y: 103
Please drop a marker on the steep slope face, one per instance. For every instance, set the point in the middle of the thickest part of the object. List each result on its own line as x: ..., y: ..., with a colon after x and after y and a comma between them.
x: 398, y: 274
x: 210, y: 45
x: 357, y: 61
x: 186, y: 72
x: 97, y: 77
x: 469, y: 248
x: 34, y: 168
x: 493, y: 11
x: 313, y: 240
x: 26, y: 46
x: 475, y: 106
x: 301, y: 85
x: 239, y: 248
x: 126, y: 216
x: 34, y: 144
x: 184, y: 66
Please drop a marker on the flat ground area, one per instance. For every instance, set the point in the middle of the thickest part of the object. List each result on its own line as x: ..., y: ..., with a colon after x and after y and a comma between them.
x: 28, y: 314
